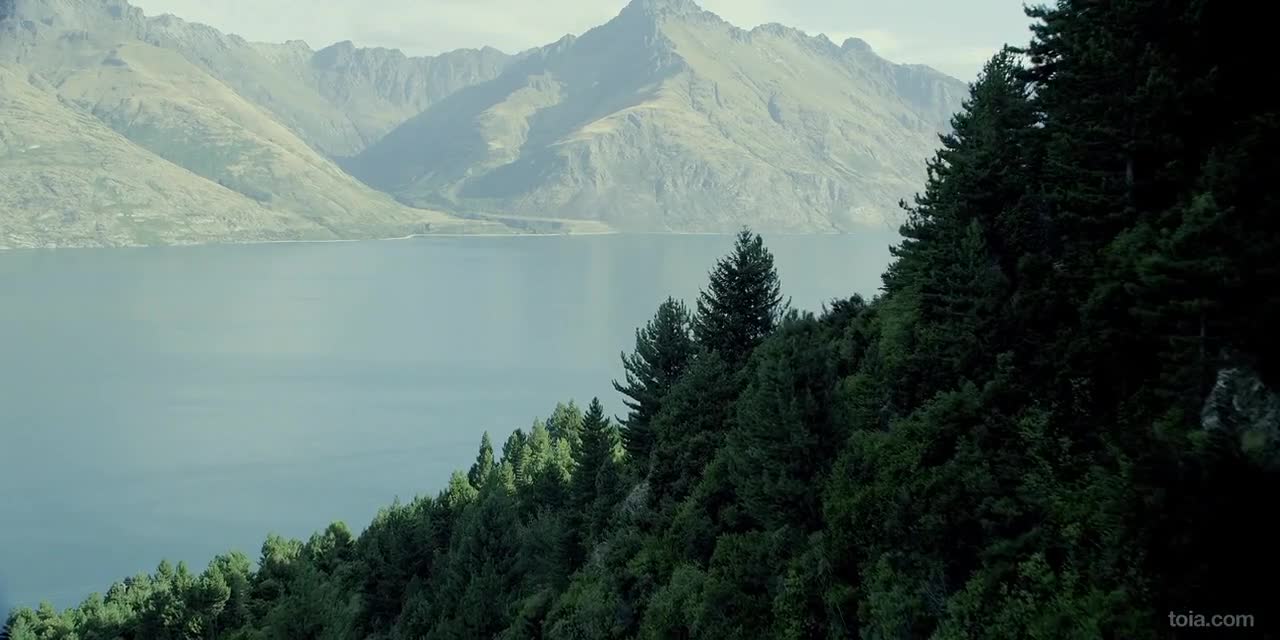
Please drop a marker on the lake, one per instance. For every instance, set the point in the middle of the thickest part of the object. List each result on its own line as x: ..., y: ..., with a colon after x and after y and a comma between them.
x: 182, y: 402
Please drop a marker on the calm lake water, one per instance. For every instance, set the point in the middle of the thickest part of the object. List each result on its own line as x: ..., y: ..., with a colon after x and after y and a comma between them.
x: 182, y: 402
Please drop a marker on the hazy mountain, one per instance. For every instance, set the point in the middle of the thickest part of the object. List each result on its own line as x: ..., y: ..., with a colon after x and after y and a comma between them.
x: 66, y: 179
x: 100, y: 59
x: 665, y: 118
x: 378, y: 89
x: 669, y: 118
x: 339, y: 99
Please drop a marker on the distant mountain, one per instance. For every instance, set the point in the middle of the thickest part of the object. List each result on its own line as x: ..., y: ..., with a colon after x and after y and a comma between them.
x: 669, y: 118
x: 121, y: 128
x: 192, y: 159
x: 67, y: 179
x: 378, y: 89
x: 339, y: 99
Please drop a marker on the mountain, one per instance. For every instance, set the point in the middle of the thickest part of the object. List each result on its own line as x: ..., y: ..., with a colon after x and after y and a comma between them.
x: 670, y: 118
x: 339, y: 99
x: 666, y: 118
x: 78, y: 66
x: 67, y: 179
x: 379, y: 88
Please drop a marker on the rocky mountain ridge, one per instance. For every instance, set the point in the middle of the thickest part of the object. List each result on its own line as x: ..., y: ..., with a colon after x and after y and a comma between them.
x: 109, y: 138
x: 669, y: 118
x: 666, y: 118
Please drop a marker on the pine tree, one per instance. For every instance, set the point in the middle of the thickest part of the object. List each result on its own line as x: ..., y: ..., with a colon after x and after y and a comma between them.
x: 565, y: 423
x: 784, y: 433
x: 663, y: 350
x: 742, y: 303
x: 594, y: 454
x: 984, y: 172
x: 595, y: 447
x: 965, y: 241
x: 460, y: 492
x: 535, y: 454
x: 484, y: 464
x: 690, y: 428
x: 609, y: 490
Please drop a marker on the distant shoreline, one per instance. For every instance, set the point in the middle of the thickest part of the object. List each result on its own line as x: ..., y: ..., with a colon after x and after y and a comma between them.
x: 416, y: 236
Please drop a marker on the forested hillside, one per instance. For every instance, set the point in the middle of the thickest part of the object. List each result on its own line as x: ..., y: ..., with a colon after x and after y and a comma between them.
x: 1059, y: 420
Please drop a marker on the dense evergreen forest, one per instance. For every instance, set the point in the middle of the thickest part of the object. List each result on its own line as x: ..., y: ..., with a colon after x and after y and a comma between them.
x: 1059, y: 419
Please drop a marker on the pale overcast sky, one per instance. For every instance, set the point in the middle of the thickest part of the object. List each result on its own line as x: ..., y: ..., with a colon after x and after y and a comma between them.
x: 955, y: 37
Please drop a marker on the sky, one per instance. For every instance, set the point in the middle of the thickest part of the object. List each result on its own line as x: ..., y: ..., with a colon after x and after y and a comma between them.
x: 953, y: 37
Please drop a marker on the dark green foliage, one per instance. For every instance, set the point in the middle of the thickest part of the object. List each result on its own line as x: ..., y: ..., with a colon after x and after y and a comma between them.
x: 691, y: 427
x: 663, y: 350
x: 742, y: 303
x: 565, y: 424
x: 483, y: 467
x: 785, y: 432
x: 1059, y: 421
x: 594, y: 488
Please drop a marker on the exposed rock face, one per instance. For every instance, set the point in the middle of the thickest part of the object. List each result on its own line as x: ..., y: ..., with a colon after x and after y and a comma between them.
x: 669, y: 118
x: 381, y: 88
x: 1242, y: 406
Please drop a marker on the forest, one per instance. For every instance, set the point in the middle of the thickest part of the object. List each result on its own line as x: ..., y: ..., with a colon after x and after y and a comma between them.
x: 1059, y: 418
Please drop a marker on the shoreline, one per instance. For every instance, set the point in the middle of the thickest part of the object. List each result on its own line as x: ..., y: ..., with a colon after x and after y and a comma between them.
x: 416, y: 236
x: 238, y: 243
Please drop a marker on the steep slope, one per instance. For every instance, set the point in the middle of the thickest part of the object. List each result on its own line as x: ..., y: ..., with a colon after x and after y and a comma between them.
x: 377, y: 89
x: 67, y: 180
x: 669, y: 118
x: 169, y: 106
x: 339, y: 99
x: 278, y: 89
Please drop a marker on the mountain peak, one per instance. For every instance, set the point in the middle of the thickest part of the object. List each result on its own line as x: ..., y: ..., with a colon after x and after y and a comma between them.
x: 73, y: 15
x: 856, y: 44
x: 665, y: 7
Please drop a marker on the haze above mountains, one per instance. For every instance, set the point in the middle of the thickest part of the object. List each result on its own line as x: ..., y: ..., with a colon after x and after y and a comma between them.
x: 122, y: 129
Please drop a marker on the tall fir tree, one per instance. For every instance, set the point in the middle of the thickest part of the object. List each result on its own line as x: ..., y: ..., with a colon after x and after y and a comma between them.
x: 484, y: 464
x: 594, y: 454
x: 967, y: 239
x: 664, y: 347
x: 564, y: 425
x: 742, y: 303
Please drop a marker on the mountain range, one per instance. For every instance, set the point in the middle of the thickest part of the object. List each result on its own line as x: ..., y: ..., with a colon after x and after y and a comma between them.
x: 118, y: 128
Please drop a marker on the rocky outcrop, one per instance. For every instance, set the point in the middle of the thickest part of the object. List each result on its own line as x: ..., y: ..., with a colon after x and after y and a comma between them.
x: 1245, y: 409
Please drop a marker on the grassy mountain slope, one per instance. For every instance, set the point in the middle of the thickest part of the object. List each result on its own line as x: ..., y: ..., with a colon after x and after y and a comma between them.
x: 66, y: 179
x: 160, y: 100
x: 277, y: 88
x: 669, y: 118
